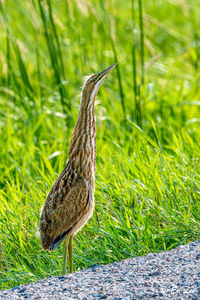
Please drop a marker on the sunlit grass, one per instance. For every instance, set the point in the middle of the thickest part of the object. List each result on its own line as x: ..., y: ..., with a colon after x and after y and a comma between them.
x: 148, y: 147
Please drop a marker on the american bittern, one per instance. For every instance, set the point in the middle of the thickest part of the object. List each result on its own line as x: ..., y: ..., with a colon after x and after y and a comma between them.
x: 70, y: 202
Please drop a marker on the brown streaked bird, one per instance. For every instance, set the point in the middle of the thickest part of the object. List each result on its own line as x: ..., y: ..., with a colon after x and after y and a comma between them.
x: 70, y: 202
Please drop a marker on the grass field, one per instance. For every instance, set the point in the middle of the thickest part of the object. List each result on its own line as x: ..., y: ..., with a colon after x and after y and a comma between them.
x: 148, y: 126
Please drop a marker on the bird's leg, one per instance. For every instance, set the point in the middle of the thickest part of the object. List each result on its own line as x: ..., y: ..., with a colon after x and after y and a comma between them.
x: 70, y: 247
x: 65, y: 247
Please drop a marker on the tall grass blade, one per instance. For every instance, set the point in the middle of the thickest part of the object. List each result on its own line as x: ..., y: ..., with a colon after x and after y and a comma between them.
x: 141, y: 40
x: 137, y: 113
x: 23, y: 71
x: 8, y: 59
x: 119, y: 80
x: 134, y: 59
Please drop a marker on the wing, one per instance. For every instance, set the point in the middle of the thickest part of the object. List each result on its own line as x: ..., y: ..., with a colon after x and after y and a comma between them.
x: 63, y: 208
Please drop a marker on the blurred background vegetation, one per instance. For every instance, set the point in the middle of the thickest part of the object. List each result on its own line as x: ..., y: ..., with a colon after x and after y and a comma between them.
x: 148, y: 126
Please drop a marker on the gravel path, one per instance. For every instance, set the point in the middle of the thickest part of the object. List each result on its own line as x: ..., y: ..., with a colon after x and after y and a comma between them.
x: 174, y: 274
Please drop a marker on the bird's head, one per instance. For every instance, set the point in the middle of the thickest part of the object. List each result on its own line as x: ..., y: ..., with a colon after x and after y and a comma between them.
x: 93, y: 83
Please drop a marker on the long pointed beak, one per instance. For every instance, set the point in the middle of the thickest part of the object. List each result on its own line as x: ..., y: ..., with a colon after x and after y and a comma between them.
x: 105, y: 72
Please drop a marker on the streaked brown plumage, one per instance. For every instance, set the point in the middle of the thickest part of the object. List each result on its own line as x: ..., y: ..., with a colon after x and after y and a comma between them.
x: 70, y: 202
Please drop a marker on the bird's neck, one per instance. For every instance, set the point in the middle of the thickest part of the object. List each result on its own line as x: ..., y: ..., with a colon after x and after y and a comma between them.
x: 82, y: 150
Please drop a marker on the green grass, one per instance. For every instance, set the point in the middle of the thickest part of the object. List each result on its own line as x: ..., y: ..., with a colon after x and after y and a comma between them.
x: 148, y: 126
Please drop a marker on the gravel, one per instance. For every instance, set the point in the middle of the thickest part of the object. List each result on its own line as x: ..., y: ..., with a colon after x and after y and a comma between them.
x: 173, y: 274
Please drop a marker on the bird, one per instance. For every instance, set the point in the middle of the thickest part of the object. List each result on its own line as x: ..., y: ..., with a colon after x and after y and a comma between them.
x: 70, y: 202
